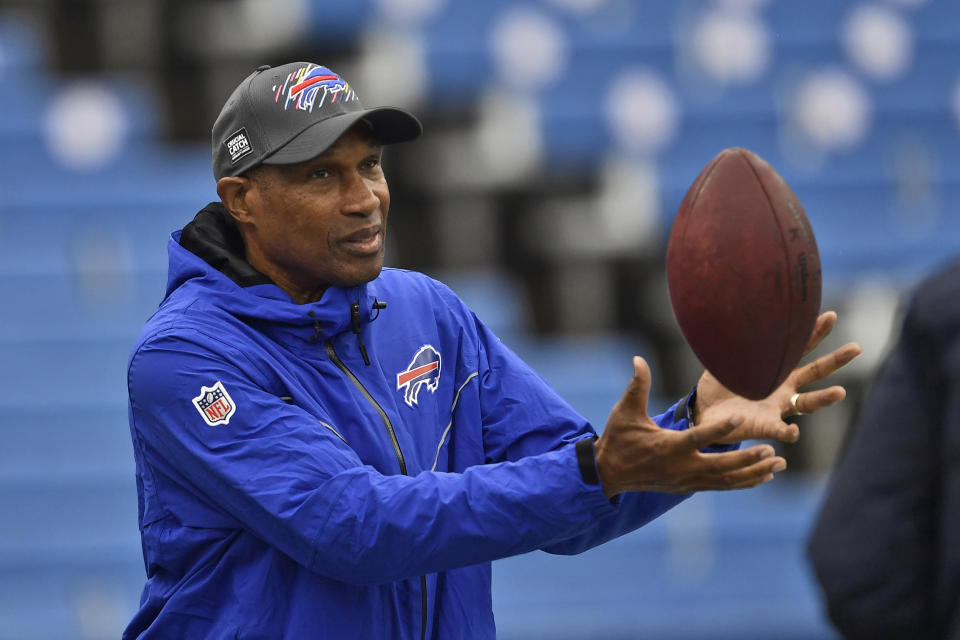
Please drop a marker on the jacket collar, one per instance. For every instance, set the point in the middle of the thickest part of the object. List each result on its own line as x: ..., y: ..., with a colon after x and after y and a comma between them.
x: 207, y: 256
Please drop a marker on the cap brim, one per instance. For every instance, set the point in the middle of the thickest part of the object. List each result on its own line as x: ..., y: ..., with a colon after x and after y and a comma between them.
x: 390, y: 125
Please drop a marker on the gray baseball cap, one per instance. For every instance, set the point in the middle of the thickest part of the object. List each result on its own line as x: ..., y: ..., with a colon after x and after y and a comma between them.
x: 292, y: 113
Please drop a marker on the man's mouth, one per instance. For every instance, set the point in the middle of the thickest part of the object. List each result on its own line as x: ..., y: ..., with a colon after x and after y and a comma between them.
x: 364, y: 241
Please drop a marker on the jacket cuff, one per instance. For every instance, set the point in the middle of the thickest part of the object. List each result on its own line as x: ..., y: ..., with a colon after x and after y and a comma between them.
x: 684, y: 410
x: 597, y: 501
x: 683, y: 419
x: 587, y: 461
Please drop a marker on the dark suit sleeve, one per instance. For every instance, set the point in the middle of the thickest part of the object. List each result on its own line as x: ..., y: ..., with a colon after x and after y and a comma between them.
x: 873, y: 545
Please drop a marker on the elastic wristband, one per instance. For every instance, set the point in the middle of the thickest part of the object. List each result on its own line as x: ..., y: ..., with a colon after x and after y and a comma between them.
x: 684, y: 410
x: 587, y: 461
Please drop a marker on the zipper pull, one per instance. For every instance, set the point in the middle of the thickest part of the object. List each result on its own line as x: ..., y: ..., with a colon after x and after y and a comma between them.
x: 317, y: 329
x: 355, y: 323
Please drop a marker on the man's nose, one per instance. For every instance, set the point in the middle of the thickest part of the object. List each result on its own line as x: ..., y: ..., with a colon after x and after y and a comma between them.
x: 359, y: 196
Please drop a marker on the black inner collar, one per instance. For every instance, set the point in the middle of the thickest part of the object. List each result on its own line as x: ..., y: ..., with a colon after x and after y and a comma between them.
x: 213, y: 235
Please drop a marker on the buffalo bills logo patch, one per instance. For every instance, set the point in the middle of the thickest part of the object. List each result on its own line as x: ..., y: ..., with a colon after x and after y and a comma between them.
x: 215, y: 404
x: 423, y: 371
x: 311, y: 87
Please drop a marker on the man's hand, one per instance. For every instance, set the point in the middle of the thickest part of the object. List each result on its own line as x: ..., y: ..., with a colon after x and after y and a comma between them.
x: 634, y: 454
x: 764, y: 419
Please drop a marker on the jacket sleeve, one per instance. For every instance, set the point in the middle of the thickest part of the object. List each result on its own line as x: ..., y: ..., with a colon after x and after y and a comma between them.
x: 872, y: 545
x: 523, y: 416
x: 288, y: 478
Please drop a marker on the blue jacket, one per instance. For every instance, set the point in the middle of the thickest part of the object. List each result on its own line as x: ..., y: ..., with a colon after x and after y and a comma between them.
x: 339, y: 470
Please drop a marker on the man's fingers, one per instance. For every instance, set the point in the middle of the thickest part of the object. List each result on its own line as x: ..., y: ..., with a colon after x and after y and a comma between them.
x: 811, y: 401
x: 762, y: 430
x: 727, y: 461
x: 749, y: 481
x: 822, y: 328
x: 704, y: 435
x: 826, y: 365
x: 739, y: 472
x: 782, y: 431
x: 635, y: 397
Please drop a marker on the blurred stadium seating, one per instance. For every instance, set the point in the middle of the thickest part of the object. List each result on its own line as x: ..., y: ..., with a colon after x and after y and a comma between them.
x: 561, y: 136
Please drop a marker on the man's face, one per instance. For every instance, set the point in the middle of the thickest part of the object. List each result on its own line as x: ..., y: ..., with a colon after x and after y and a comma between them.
x: 322, y: 222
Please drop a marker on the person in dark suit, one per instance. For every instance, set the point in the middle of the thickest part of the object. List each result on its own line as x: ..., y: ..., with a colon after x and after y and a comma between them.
x: 886, y: 545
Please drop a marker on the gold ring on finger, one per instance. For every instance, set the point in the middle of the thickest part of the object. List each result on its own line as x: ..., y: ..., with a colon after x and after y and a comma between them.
x: 793, y: 405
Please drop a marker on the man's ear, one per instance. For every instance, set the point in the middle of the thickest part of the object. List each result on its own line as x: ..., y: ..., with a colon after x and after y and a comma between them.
x: 234, y: 192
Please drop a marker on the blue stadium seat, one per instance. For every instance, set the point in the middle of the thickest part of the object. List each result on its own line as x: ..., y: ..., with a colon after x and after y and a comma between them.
x: 22, y: 51
x: 338, y: 23
x: 64, y: 372
x: 60, y: 305
x: 735, y: 558
x: 70, y: 558
x: 69, y: 599
x: 816, y: 21
x: 63, y: 234
x: 590, y: 372
x: 59, y: 444
x: 28, y: 98
x: 141, y: 177
x: 863, y: 229
x: 493, y: 296
x: 57, y: 522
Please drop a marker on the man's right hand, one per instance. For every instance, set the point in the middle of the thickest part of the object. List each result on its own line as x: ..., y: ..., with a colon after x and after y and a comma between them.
x: 635, y: 454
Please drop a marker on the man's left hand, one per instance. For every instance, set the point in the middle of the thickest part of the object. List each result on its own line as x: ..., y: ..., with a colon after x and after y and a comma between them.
x: 764, y: 419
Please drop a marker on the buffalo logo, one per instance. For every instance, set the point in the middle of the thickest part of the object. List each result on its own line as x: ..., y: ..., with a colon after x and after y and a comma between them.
x: 310, y: 87
x: 424, y: 370
x: 215, y: 404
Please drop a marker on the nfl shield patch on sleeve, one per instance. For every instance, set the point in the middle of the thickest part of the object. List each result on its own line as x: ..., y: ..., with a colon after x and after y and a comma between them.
x: 215, y: 404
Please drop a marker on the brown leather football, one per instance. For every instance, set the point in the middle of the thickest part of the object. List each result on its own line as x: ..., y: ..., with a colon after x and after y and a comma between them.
x: 744, y: 273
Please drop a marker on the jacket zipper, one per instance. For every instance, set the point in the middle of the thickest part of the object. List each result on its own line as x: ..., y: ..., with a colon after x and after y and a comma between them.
x: 366, y: 394
x: 396, y: 449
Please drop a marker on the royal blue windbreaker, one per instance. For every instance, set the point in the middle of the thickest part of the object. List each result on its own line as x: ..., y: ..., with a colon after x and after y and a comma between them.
x: 295, y: 484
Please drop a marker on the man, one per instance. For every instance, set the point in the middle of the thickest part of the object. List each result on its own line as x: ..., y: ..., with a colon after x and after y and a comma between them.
x: 329, y: 449
x: 885, y: 543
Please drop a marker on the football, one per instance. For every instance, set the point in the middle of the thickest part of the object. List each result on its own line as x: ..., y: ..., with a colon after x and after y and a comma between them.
x: 743, y: 273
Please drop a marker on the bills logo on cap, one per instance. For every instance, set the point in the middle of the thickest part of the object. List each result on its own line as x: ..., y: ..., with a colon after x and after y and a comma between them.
x: 215, y: 404
x: 303, y: 87
x: 423, y: 371
x: 238, y: 145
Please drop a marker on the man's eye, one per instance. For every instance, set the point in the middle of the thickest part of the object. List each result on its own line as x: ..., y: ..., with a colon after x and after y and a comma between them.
x: 320, y: 173
x: 371, y: 163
